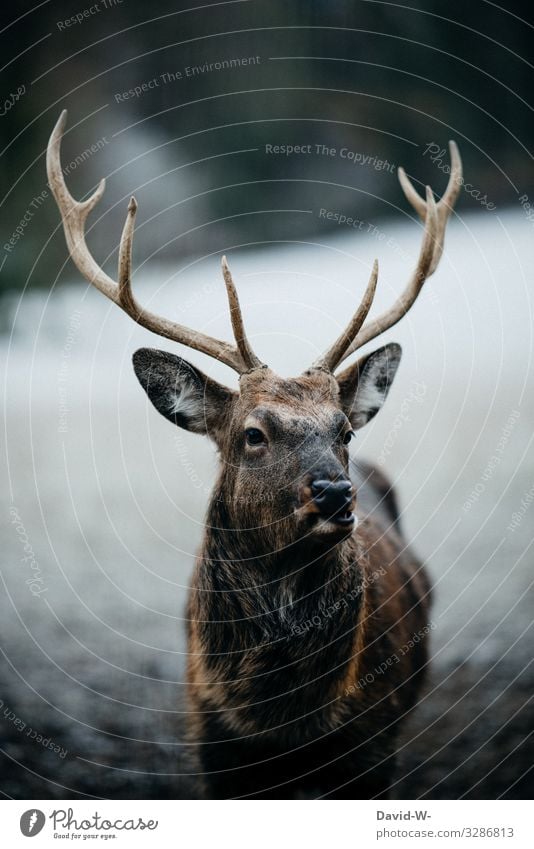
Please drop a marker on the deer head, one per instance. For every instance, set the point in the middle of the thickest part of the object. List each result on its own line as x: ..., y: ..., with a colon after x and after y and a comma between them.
x: 283, y: 442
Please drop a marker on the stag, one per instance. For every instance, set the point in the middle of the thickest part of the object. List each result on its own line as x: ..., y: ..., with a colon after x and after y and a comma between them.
x: 307, y: 612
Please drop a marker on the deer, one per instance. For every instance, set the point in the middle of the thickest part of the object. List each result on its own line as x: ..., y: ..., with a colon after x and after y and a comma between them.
x: 308, y: 612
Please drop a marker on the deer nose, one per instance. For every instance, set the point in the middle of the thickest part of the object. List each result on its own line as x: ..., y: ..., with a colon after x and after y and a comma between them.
x: 332, y: 497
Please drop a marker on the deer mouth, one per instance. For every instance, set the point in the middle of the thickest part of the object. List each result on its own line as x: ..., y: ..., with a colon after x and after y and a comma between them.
x: 345, y: 518
x: 340, y: 524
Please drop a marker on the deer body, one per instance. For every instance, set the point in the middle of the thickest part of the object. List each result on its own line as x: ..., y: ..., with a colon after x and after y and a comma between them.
x: 296, y: 678
x: 307, y: 614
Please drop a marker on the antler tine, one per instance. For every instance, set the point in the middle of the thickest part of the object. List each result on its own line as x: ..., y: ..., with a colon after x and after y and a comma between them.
x: 126, y: 298
x: 444, y: 206
x: 422, y: 271
x: 334, y: 355
x: 456, y: 177
x: 243, y: 345
x: 435, y: 217
x: 74, y: 214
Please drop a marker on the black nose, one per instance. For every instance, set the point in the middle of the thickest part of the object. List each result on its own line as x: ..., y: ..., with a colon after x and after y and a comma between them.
x: 332, y: 496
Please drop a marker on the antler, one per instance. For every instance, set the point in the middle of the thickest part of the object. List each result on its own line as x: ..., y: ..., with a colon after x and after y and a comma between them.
x: 335, y: 354
x: 74, y: 214
x: 435, y: 217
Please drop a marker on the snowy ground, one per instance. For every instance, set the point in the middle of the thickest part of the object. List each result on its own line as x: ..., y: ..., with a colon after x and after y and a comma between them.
x: 110, y: 498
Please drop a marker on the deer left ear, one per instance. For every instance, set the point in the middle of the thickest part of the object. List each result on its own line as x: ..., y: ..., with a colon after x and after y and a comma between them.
x: 363, y: 387
x: 182, y: 393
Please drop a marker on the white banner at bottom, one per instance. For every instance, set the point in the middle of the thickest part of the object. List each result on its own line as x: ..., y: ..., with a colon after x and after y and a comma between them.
x: 258, y: 824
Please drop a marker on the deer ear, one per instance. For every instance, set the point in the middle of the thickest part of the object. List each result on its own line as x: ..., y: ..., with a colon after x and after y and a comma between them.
x: 363, y: 387
x: 182, y: 393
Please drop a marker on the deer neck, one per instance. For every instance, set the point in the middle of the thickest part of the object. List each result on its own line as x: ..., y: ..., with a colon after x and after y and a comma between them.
x: 301, y: 575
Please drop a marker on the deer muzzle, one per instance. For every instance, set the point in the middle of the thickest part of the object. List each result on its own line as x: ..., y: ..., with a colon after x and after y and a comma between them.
x: 334, y: 500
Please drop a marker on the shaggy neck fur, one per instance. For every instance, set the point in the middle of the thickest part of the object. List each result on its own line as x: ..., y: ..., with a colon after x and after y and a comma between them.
x: 259, y: 595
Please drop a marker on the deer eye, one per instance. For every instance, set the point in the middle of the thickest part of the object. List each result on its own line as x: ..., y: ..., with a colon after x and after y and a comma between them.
x: 347, y: 437
x: 254, y: 436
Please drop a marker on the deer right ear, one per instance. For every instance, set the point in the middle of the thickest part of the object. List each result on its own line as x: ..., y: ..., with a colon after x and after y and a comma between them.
x: 182, y: 393
x: 363, y: 386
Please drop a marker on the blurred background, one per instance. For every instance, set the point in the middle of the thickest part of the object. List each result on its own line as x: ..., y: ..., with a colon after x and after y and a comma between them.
x: 258, y: 129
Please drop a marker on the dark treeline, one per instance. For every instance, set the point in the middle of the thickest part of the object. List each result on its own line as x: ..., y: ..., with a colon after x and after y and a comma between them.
x: 205, y: 100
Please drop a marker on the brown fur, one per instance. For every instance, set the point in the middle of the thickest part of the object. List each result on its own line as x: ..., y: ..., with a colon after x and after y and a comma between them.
x: 270, y: 706
x: 307, y: 634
